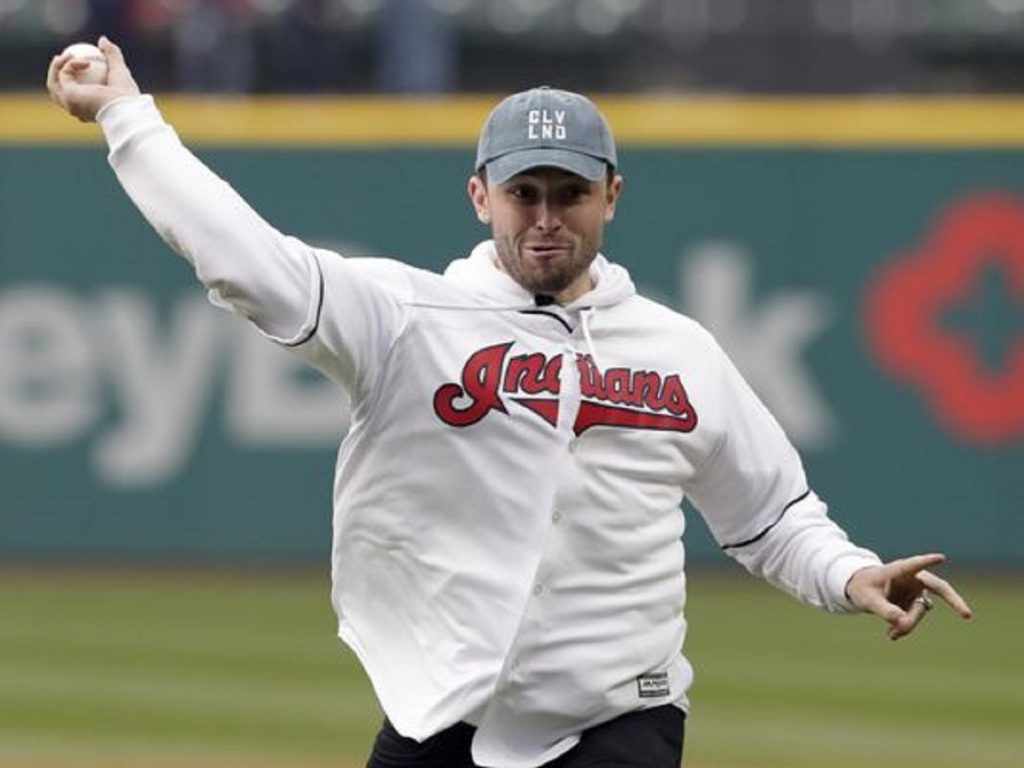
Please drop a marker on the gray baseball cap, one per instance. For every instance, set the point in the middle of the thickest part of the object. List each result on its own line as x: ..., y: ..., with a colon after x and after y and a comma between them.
x: 546, y: 127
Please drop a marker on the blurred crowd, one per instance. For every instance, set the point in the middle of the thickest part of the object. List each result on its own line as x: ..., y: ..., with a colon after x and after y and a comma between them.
x: 442, y: 46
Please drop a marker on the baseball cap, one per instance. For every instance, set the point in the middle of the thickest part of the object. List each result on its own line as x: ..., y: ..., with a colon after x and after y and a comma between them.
x: 545, y: 127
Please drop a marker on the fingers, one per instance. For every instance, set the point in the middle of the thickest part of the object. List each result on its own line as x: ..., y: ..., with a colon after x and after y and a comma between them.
x: 945, y: 590
x: 910, y: 618
x: 898, y: 592
x: 912, y: 565
x: 60, y: 77
x: 61, y: 70
x: 53, y: 74
x: 917, y: 566
x: 922, y: 604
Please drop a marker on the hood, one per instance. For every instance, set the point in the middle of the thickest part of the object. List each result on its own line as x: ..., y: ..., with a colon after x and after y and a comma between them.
x: 479, y: 273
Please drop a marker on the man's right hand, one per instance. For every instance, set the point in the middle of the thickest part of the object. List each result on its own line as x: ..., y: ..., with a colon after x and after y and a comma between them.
x: 84, y: 101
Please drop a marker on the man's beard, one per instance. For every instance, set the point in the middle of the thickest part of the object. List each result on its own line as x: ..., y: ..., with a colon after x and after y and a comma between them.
x: 545, y: 279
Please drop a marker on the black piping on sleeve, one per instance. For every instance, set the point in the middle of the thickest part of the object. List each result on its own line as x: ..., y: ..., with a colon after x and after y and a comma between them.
x: 775, y: 522
x: 319, y: 310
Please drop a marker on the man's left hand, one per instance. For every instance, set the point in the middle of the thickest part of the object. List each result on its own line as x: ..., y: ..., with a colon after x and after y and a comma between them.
x: 901, y: 591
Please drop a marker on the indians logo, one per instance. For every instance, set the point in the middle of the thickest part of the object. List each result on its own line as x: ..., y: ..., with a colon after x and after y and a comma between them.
x: 911, y: 300
x: 617, y: 397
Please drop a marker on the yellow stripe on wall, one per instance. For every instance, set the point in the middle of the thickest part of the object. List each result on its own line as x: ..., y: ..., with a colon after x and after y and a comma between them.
x: 670, y: 121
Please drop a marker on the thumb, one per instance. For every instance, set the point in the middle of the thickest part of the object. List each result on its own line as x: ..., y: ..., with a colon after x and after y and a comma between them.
x: 899, y: 621
x: 891, y: 612
x: 118, y: 74
x: 111, y: 50
x: 873, y: 600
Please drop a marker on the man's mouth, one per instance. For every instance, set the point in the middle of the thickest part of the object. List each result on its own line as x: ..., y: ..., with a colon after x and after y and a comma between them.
x: 546, y: 250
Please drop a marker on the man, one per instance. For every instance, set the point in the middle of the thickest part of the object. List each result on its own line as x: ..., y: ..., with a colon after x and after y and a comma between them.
x: 507, y: 555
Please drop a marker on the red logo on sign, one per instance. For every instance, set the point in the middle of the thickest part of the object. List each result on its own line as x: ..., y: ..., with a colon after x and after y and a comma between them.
x: 904, y: 318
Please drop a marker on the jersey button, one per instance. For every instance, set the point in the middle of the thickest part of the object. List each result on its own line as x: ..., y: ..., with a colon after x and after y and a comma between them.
x: 538, y: 588
x: 556, y: 516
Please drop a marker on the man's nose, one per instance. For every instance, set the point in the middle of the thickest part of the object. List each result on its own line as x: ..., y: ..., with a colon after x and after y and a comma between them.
x: 548, y: 216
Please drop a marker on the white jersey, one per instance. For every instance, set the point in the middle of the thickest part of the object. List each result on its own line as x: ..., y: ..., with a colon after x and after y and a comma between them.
x: 507, y: 527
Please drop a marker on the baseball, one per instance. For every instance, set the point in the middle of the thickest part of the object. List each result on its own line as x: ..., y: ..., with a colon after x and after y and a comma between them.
x: 96, y: 74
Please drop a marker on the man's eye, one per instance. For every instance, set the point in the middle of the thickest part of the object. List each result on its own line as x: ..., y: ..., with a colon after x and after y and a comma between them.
x: 523, y: 193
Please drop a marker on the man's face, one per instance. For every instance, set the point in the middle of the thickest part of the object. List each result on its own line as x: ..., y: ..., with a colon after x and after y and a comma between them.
x: 548, y: 225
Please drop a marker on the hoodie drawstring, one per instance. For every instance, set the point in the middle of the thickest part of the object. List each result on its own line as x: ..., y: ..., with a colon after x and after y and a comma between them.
x: 585, y: 316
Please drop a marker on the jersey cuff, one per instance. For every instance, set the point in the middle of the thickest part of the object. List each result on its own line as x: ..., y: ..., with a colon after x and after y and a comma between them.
x: 839, y: 574
x: 128, y: 117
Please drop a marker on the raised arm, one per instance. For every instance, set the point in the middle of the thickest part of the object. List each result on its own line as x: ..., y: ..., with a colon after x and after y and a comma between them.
x: 247, y: 265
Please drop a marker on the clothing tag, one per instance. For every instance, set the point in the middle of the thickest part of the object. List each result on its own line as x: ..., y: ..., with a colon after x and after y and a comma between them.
x: 652, y: 685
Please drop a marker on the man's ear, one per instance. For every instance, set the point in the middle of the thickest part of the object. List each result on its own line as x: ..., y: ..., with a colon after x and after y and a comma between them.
x: 477, y: 189
x: 613, y: 192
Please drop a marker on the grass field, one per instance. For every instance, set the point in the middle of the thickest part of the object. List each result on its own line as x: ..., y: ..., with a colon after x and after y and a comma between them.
x: 241, y: 670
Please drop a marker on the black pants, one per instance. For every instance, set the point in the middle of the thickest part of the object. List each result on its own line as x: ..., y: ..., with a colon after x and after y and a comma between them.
x: 650, y: 738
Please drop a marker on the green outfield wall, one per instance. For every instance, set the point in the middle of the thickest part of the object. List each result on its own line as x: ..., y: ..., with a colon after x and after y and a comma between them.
x: 862, y: 261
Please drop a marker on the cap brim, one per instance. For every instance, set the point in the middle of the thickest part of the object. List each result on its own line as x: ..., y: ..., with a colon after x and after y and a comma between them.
x: 501, y: 169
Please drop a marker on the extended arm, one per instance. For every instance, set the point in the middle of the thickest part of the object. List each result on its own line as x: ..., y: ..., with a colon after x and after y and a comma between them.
x: 755, y: 497
x: 807, y: 554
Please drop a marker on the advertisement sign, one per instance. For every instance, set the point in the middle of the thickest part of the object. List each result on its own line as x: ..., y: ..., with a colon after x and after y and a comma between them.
x: 872, y: 295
